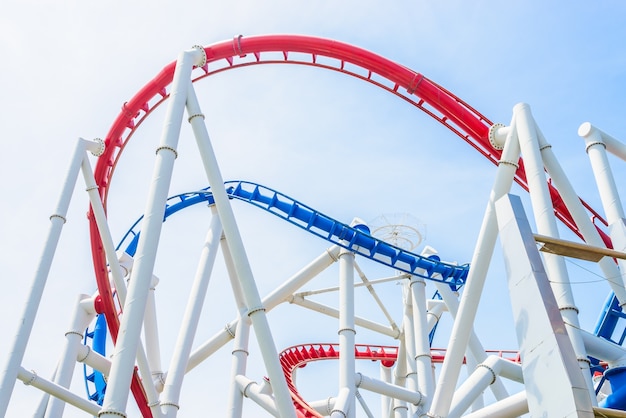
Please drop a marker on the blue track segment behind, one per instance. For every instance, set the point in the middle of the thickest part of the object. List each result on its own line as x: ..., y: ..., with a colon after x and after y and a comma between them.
x: 354, y: 239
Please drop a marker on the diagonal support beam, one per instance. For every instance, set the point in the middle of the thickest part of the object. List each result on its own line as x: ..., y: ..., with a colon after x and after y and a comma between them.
x: 549, y: 363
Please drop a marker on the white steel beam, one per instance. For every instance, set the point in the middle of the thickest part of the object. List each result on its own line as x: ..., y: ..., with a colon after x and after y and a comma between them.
x: 9, y: 372
x: 256, y: 309
x: 549, y: 363
x: 472, y: 292
x: 127, y: 345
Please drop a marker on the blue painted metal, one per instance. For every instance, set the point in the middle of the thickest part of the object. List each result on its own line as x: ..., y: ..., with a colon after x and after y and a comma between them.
x: 98, y: 344
x: 355, y: 239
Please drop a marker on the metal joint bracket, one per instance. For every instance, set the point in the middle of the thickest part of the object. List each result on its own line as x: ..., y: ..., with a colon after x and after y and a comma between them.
x: 169, y: 149
x: 203, y: 60
x: 493, y: 374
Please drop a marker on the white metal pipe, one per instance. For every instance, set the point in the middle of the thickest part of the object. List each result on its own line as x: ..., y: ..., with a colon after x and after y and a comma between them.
x: 334, y: 313
x: 399, y: 409
x: 278, y: 296
x: 256, y: 310
x: 65, y: 370
x: 484, y: 375
x: 32, y: 379
x: 94, y: 360
x: 370, y: 288
x: 423, y: 358
x: 393, y: 391
x: 342, y: 403
x: 476, y: 352
x: 604, y: 350
x: 613, y: 145
x: 409, y: 339
x: 366, y: 409
x: 470, y: 299
x: 347, y: 330
x: 191, y: 318
x: 127, y: 345
x: 596, y: 150
x: 436, y: 308
x: 579, y: 214
x: 546, y: 225
x: 118, y: 277
x: 27, y: 319
x: 514, y: 406
x: 151, y: 335
x: 385, y: 401
x: 323, y: 407
x: 238, y: 368
x: 253, y: 390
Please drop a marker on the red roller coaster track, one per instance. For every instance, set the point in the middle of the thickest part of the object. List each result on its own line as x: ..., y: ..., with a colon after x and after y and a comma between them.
x: 409, y: 85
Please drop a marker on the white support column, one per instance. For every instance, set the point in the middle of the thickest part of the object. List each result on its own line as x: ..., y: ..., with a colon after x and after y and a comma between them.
x: 596, y: 146
x: 481, y: 259
x: 27, y: 319
x: 423, y: 358
x: 347, y: 334
x: 118, y: 278
x: 191, y: 317
x: 256, y: 310
x: 409, y: 338
x: 513, y: 406
x: 399, y: 408
x: 385, y: 401
x: 238, y: 368
x: 546, y: 225
x: 74, y: 336
x: 549, y: 363
x: 127, y: 345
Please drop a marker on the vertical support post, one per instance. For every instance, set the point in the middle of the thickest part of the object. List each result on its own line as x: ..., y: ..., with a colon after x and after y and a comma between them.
x: 130, y: 328
x: 385, y: 376
x: 239, y: 364
x: 546, y: 225
x: 462, y: 328
x: 409, y: 339
x: 347, y: 334
x: 27, y: 319
x: 256, y: 310
x: 549, y: 362
x: 423, y: 358
x: 609, y: 195
x: 191, y: 317
x: 74, y: 338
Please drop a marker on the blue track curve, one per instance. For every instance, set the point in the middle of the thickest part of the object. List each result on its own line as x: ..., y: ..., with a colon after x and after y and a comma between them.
x: 354, y: 239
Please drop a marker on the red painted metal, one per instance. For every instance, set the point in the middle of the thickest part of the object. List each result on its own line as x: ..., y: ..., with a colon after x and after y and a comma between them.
x: 405, y: 83
x: 297, y: 356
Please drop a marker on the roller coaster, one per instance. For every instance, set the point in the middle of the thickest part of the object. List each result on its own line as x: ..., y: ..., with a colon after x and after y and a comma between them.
x: 558, y: 368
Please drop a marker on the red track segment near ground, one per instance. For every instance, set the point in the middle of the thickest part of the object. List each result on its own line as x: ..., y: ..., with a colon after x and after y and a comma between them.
x: 411, y: 86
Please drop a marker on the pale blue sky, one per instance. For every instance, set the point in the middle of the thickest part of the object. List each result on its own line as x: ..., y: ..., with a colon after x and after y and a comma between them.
x: 335, y: 143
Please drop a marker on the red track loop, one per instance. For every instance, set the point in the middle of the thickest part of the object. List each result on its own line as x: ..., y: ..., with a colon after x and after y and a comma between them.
x: 298, y: 356
x: 413, y: 87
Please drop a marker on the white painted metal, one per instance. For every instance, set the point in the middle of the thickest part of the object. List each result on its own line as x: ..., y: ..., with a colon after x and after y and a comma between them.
x: 74, y: 338
x: 57, y: 219
x: 485, y: 374
x: 256, y: 310
x: 347, y: 334
x: 281, y: 294
x: 134, y: 308
x: 191, y: 317
x: 238, y: 368
x: 613, y: 145
x: 470, y: 299
x: 513, y: 406
x: 579, y: 214
x: 254, y: 391
x: 116, y: 271
x: 549, y: 362
x: 31, y: 379
x: 546, y: 225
